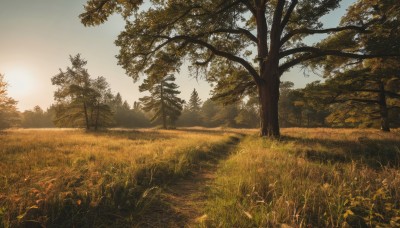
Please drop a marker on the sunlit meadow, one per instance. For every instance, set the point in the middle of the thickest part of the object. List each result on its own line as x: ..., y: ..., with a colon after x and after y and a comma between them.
x: 72, y: 178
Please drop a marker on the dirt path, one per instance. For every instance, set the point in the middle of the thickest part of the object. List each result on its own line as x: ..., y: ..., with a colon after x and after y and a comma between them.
x: 184, y: 201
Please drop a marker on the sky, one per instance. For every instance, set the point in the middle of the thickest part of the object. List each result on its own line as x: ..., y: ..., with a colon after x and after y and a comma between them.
x: 38, y: 36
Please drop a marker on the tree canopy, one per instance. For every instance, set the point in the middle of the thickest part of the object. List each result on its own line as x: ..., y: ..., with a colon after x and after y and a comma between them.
x: 80, y: 100
x: 363, y: 90
x: 261, y: 38
x: 37, y: 118
x: 125, y: 116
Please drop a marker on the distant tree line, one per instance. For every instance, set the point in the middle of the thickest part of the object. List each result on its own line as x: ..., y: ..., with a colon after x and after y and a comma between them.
x: 364, y: 94
x: 212, y: 113
x: 298, y: 108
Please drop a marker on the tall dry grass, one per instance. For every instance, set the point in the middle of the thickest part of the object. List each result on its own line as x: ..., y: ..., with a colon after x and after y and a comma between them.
x: 310, y: 178
x: 69, y: 178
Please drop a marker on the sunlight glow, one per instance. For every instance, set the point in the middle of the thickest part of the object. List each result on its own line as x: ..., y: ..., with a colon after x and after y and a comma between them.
x: 21, y: 82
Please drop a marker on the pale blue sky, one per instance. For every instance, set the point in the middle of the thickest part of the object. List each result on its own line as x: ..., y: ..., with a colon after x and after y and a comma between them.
x: 38, y: 36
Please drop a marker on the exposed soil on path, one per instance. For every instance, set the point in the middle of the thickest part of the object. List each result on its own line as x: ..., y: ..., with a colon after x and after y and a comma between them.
x: 183, y: 202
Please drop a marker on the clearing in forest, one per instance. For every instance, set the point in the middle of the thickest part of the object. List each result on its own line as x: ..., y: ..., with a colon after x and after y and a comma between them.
x: 71, y: 178
x: 199, y: 177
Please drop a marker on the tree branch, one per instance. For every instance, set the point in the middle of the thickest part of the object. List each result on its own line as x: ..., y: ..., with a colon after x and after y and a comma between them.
x: 314, y: 52
x: 392, y: 94
x: 245, y: 32
x: 226, y: 7
x: 214, y: 50
x: 206, y: 62
x: 321, y: 52
x: 276, y: 31
x: 288, y: 14
x: 357, y: 100
x: 308, y: 31
x: 250, y: 7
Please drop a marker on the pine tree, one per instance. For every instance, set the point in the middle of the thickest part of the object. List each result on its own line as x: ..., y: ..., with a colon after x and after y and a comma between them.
x: 163, y: 101
x: 194, y: 104
x: 117, y: 101
x: 191, y: 114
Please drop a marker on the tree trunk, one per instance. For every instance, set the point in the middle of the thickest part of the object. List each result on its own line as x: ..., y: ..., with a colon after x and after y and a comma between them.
x: 86, y: 116
x: 269, y: 96
x: 91, y: 117
x: 383, y: 108
x: 97, y: 117
x: 164, y: 117
x: 268, y: 57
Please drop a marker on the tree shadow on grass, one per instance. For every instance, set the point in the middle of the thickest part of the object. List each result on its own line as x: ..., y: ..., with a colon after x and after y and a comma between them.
x: 212, y: 131
x: 153, y: 134
x: 376, y: 153
x: 132, y: 134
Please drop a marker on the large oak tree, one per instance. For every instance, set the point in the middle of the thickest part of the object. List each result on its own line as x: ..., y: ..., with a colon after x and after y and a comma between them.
x: 261, y: 37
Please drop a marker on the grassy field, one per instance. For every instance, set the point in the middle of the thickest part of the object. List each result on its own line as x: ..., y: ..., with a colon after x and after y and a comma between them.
x: 66, y: 178
x: 310, y: 178
x: 121, y: 178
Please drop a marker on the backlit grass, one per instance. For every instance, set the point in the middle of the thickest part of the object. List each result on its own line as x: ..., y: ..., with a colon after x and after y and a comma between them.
x: 69, y: 178
x: 311, y: 177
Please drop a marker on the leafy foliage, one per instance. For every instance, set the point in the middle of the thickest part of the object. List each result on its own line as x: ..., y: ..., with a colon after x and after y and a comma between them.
x: 126, y: 117
x: 81, y: 101
x: 364, y: 91
x: 220, y: 40
x: 100, y: 110
x: 8, y: 110
x: 37, y: 118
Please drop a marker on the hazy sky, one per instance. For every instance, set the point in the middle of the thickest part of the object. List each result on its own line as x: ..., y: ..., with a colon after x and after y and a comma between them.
x: 38, y: 36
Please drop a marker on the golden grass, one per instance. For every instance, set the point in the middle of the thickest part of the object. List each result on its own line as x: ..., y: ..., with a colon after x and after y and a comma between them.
x: 71, y: 178
x: 311, y: 177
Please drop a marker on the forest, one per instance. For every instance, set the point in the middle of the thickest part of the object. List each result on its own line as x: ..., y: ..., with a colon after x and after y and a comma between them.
x: 330, y: 104
x: 260, y: 151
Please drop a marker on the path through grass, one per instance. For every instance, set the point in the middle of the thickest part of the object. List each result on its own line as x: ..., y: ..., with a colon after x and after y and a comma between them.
x: 183, y: 202
x: 69, y: 178
x: 177, y: 178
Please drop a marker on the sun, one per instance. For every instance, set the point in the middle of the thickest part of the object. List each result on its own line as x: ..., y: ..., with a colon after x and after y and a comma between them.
x: 20, y: 82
